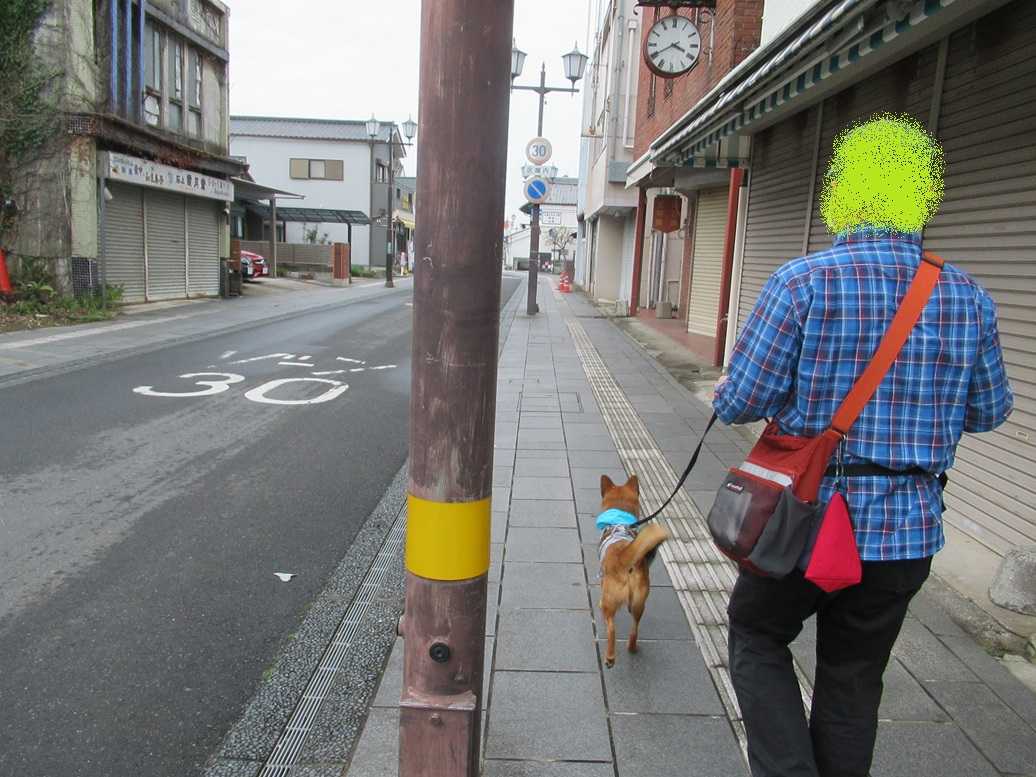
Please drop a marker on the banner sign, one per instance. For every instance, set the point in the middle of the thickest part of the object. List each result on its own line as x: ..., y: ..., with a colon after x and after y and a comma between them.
x: 142, y: 172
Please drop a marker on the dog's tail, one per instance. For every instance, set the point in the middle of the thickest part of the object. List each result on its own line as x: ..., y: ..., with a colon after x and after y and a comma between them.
x: 649, y: 538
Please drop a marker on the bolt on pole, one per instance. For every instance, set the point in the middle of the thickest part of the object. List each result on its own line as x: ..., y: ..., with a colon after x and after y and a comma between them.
x: 465, y: 86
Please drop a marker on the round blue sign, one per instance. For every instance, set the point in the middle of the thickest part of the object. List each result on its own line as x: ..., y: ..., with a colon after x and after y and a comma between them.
x: 536, y: 189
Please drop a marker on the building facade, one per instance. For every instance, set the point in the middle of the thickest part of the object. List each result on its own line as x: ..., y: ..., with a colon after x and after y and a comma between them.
x: 335, y: 165
x: 967, y: 70
x: 606, y: 209
x: 134, y: 191
x: 679, y: 269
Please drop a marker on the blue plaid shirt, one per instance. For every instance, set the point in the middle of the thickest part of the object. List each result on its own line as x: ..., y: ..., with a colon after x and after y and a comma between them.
x: 812, y: 332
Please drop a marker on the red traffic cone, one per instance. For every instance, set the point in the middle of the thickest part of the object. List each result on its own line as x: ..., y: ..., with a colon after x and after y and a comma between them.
x: 5, y: 279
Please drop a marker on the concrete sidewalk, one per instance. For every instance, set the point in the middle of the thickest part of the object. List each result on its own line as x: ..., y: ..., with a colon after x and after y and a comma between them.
x: 578, y: 399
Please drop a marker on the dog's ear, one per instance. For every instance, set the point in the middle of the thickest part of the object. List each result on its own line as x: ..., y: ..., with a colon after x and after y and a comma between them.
x: 606, y: 485
x: 634, y: 483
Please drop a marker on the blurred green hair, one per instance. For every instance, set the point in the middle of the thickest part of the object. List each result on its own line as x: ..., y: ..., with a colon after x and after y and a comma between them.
x: 886, y: 172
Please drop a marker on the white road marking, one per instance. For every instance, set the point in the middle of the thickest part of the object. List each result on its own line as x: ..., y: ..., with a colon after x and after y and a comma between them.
x: 293, y: 364
x: 259, y: 393
x: 227, y: 354
x: 384, y: 367
x: 330, y: 372
x: 305, y: 358
x: 214, y: 386
x: 263, y: 358
x: 351, y: 361
x: 87, y: 333
x: 358, y: 369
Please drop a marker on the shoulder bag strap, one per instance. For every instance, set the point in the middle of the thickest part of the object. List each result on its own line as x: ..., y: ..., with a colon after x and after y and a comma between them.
x: 899, y: 330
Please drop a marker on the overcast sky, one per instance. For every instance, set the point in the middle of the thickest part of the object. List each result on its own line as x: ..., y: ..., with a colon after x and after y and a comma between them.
x: 345, y: 59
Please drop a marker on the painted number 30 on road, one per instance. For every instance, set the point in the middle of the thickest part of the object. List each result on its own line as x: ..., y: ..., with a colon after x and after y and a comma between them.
x: 218, y: 382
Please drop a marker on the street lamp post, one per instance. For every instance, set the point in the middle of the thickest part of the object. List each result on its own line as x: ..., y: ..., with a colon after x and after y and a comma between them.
x: 373, y: 130
x: 575, y: 63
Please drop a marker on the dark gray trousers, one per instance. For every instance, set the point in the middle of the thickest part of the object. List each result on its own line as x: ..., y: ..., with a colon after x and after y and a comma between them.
x: 856, y: 629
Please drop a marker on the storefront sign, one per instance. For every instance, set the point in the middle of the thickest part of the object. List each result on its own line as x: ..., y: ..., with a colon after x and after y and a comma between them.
x: 550, y: 218
x: 667, y: 213
x: 134, y: 170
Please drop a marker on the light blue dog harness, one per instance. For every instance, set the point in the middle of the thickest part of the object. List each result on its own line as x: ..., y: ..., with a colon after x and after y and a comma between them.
x: 617, y: 526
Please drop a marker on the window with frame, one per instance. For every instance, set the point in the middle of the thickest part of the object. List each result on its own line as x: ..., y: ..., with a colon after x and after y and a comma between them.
x: 152, y: 92
x: 194, y: 93
x: 381, y: 173
x: 176, y: 78
x: 153, y: 58
x: 316, y: 169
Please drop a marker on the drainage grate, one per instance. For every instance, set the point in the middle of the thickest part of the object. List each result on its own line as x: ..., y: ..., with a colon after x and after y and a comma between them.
x: 702, y: 576
x: 289, y: 745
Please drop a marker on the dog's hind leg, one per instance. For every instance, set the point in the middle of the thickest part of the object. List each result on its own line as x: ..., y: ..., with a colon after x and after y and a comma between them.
x: 608, y: 611
x: 638, y: 599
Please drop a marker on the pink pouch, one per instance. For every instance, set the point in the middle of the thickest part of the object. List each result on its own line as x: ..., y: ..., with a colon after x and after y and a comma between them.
x: 835, y: 563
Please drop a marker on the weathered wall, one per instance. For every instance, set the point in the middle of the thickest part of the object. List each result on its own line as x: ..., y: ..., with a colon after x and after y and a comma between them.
x: 54, y: 186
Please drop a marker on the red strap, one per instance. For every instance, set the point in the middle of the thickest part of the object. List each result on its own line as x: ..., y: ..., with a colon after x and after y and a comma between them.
x: 899, y: 330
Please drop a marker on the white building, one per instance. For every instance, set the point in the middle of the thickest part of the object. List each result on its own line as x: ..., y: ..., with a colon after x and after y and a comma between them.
x: 607, y: 210
x: 332, y: 164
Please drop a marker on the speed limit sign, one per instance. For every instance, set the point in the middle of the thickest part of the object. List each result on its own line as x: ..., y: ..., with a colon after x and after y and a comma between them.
x: 538, y: 151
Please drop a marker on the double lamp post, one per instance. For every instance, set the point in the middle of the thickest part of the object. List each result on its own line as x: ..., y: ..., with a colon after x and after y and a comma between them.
x: 373, y: 132
x: 575, y: 63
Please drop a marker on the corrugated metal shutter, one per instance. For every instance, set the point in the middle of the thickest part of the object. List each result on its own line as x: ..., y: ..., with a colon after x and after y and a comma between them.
x: 987, y: 226
x: 124, y: 233
x: 903, y: 87
x: 710, y: 226
x: 203, y: 246
x: 782, y: 158
x: 166, y: 252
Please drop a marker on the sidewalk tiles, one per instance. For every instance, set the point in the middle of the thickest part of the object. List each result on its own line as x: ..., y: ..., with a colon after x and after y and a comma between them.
x: 550, y: 707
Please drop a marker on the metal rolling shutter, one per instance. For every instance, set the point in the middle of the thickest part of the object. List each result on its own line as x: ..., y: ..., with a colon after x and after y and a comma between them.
x: 124, y: 234
x: 903, y: 87
x: 710, y: 228
x: 203, y: 246
x: 166, y: 256
x: 782, y: 157
x: 987, y: 226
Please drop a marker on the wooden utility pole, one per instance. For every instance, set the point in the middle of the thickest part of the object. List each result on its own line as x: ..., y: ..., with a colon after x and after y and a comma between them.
x: 465, y: 66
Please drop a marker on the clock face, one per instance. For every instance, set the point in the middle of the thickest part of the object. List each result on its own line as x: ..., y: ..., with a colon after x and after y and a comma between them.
x: 672, y: 46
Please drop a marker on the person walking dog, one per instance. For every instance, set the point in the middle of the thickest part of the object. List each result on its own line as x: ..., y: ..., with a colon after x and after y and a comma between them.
x: 815, y: 327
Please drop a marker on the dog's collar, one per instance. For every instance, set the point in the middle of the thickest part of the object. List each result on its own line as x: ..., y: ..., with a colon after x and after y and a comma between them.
x: 615, y: 517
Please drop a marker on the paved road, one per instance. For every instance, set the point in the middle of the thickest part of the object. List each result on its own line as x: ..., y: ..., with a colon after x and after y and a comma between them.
x: 140, y: 533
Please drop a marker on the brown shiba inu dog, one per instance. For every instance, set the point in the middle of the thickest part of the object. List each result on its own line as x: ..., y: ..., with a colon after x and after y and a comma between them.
x: 625, y: 555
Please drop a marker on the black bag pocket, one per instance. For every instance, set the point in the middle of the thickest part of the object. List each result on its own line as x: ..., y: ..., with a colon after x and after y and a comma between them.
x: 784, y: 538
x: 740, y: 512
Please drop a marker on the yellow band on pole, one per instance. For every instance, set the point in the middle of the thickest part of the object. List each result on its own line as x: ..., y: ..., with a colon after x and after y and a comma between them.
x: 447, y: 540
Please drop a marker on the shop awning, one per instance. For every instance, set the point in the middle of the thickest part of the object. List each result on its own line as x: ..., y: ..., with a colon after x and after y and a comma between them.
x: 317, y: 215
x: 821, y: 45
x: 250, y: 190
